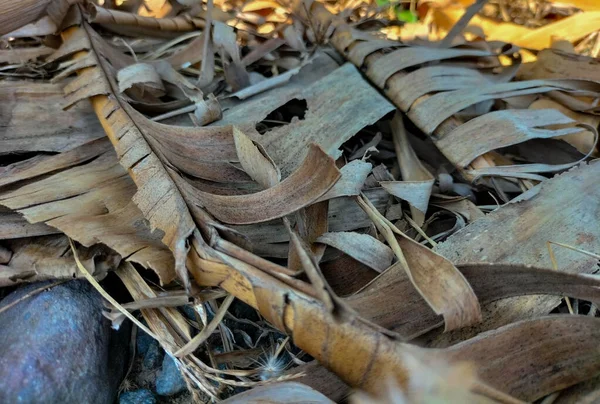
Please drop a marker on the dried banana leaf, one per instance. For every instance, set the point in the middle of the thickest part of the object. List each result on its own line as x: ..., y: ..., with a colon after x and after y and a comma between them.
x: 433, y: 95
x: 23, y: 105
x: 560, y: 210
x: 89, y: 202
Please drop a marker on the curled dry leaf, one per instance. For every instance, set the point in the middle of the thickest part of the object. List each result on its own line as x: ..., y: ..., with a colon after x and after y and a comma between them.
x: 361, y: 247
x: 142, y: 75
x: 380, y: 302
x: 438, y: 281
x: 102, y: 15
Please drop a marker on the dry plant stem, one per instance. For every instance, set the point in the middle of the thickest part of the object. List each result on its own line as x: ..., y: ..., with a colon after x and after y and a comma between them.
x: 206, y: 331
x: 555, y: 267
x: 157, y: 302
x: 590, y: 254
x: 420, y: 231
x: 105, y: 295
x: 32, y: 293
x: 241, y: 254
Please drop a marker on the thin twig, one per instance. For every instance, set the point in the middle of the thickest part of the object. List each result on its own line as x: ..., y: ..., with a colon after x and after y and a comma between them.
x: 206, y: 331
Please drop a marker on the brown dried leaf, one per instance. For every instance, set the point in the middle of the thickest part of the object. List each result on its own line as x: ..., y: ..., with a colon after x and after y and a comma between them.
x: 391, y: 301
x: 312, y: 179
x: 45, y: 258
x: 339, y: 105
x: 558, y: 210
x: 438, y: 281
x: 513, y: 357
x: 90, y: 203
x: 501, y: 129
x: 142, y: 75
x: 22, y: 110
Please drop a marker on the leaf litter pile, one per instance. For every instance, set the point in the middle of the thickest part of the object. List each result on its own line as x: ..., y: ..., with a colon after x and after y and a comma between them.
x: 383, y: 199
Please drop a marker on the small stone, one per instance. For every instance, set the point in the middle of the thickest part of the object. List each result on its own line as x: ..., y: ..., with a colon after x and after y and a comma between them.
x: 153, y: 356
x: 189, y: 312
x: 57, y: 347
x: 141, y: 396
x: 143, y: 342
x: 169, y: 381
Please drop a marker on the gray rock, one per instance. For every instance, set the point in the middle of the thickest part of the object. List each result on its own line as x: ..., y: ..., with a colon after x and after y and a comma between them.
x: 143, y: 342
x: 56, y: 347
x: 169, y: 381
x: 153, y: 356
x: 141, y: 396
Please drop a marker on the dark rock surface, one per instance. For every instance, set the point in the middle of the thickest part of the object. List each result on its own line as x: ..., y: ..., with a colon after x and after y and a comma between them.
x: 141, y: 396
x: 143, y: 342
x: 153, y: 356
x: 169, y: 381
x: 56, y: 347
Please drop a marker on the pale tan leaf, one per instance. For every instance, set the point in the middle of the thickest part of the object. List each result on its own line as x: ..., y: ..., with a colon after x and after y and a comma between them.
x: 280, y: 393
x: 354, y: 175
x: 501, y: 129
x: 255, y: 161
x: 143, y: 75
x: 91, y: 203
x: 416, y: 193
x: 22, y: 112
x: 339, y: 105
x: 24, y: 55
x: 583, y: 141
x: 45, y: 258
x: 361, y: 247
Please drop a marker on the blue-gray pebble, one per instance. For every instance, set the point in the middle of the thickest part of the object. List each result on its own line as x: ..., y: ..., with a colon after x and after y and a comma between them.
x: 169, y: 381
x: 143, y: 342
x: 153, y: 356
x: 141, y: 396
